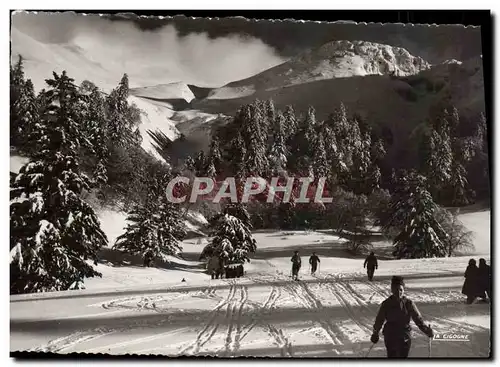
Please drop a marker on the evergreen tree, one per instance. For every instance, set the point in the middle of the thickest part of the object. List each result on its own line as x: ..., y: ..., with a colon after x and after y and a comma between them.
x: 190, y: 164
x: 320, y: 161
x: 413, y: 211
x: 239, y: 211
x: 302, y: 145
x: 156, y: 226
x: 238, y: 148
x: 232, y: 240
x: 278, y: 154
x: 200, y: 164
x: 290, y: 123
x: 53, y: 231
x: 24, y: 114
x: 121, y: 116
x: 477, y: 164
x: 215, y: 155
x: 95, y: 130
x: 270, y: 125
x: 256, y: 159
x: 458, y: 184
x: 154, y: 230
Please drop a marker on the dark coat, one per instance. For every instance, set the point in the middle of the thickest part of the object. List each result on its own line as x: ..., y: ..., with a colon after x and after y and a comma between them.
x: 472, y: 284
x: 296, y: 261
x: 371, y: 262
x: 484, y: 274
x: 314, y: 260
x: 397, y: 314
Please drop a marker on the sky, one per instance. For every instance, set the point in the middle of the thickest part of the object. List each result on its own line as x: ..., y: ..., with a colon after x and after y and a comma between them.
x: 204, y: 52
x: 155, y: 56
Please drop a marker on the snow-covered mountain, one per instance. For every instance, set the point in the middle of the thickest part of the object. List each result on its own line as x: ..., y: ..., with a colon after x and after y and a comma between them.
x: 169, y: 91
x: 338, y: 59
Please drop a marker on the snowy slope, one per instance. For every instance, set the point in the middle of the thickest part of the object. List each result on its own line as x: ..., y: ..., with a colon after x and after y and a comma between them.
x: 154, y: 117
x: 165, y: 91
x: 339, y: 59
x: 150, y: 311
x: 41, y: 59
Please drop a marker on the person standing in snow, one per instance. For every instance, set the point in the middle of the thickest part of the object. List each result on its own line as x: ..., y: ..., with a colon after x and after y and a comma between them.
x: 313, y: 261
x: 213, y: 266
x: 371, y: 264
x: 485, y: 277
x: 296, y: 263
x: 396, y: 312
x: 472, y: 287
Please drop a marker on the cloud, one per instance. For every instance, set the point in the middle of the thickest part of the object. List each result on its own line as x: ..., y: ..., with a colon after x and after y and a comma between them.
x: 149, y: 57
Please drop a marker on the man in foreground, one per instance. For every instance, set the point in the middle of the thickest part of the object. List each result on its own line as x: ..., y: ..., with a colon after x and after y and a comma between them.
x: 396, y: 312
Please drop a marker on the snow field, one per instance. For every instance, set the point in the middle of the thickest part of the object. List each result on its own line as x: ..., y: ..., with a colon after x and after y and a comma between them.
x: 150, y: 311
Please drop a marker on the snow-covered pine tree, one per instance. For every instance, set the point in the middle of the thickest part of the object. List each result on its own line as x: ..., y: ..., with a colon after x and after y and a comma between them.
x: 360, y: 180
x: 458, y: 185
x: 290, y: 123
x: 53, y: 231
x: 23, y: 110
x: 333, y: 153
x: 320, y: 162
x: 421, y: 234
x: 340, y: 123
x: 215, y: 155
x: 232, y: 240
x: 100, y: 174
x: 210, y: 170
x: 270, y: 125
x: 121, y: 116
x: 256, y: 140
x: 239, y: 211
x: 200, y: 164
x: 278, y: 154
x: 239, y: 152
x: 94, y: 128
x: 155, y: 226
x: 477, y: 167
x: 302, y: 145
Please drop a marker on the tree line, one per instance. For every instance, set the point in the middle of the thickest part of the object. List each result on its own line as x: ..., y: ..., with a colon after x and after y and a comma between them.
x: 84, y: 144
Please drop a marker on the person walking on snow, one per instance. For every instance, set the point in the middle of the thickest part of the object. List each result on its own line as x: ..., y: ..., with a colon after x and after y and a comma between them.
x: 485, y: 277
x: 313, y: 261
x: 296, y: 263
x: 396, y: 312
x: 371, y: 264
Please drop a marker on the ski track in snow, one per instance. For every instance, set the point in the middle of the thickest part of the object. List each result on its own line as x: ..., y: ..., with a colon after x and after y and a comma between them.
x: 236, y: 317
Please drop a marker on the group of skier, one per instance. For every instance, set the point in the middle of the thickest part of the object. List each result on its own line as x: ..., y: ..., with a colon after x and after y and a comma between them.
x: 297, y: 263
x: 370, y: 264
x: 217, y: 268
x: 397, y: 311
x: 394, y: 314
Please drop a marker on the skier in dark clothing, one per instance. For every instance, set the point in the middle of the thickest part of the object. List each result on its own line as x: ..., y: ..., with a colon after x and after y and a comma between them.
x: 313, y: 261
x: 396, y: 312
x: 296, y: 263
x: 472, y: 285
x: 371, y: 264
x: 485, y: 277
